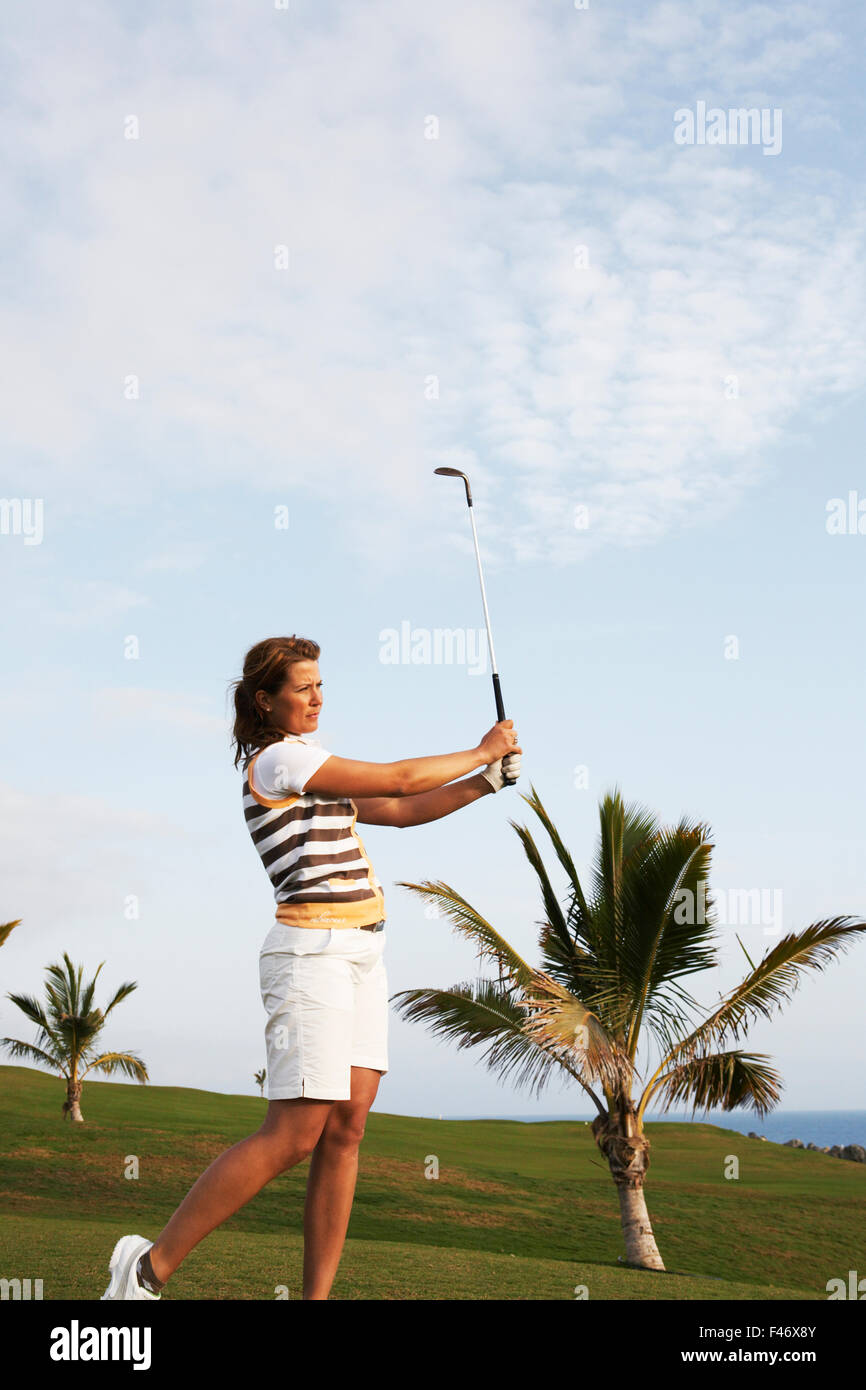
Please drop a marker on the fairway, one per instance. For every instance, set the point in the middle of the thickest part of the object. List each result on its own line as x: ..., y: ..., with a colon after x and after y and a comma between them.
x: 518, y: 1211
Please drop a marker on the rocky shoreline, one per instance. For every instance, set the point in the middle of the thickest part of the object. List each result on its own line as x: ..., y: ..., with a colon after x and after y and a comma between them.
x: 855, y: 1153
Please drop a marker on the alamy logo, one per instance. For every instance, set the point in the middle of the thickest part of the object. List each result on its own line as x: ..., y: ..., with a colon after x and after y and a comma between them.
x: 76, y: 1343
x: 441, y: 646
x: 739, y: 126
x: 846, y: 521
x: 20, y: 1288
x: 856, y: 1288
x: 22, y: 516
x: 734, y: 907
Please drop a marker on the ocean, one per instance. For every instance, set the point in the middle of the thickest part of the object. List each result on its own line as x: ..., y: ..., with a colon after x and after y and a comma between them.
x: 821, y: 1127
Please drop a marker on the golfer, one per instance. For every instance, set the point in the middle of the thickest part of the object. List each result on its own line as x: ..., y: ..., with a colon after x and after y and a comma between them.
x: 322, y: 973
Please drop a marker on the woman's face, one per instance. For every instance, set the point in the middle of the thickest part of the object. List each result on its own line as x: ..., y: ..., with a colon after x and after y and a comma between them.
x: 295, y: 707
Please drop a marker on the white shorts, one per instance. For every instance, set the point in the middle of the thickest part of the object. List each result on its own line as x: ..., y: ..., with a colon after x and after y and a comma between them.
x: 325, y: 993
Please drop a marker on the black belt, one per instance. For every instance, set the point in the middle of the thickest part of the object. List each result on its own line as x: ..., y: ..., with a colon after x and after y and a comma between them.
x: 376, y: 926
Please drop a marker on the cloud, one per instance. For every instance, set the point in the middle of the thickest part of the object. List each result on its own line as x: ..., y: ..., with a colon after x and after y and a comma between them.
x: 92, y: 852
x: 86, y: 603
x: 180, y: 556
x: 412, y: 260
x: 119, y: 704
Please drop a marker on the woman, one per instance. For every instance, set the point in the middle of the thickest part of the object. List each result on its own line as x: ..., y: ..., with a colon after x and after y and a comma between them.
x: 322, y: 974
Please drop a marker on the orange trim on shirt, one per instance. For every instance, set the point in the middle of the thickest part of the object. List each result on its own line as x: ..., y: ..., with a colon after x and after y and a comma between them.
x: 357, y: 914
x: 263, y: 800
x: 366, y: 858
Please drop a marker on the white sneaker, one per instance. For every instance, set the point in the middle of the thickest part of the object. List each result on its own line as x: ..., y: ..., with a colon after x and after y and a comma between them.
x: 122, y: 1268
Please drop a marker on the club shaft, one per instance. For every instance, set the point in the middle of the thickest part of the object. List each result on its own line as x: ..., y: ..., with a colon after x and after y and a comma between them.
x: 497, y: 691
x: 483, y: 594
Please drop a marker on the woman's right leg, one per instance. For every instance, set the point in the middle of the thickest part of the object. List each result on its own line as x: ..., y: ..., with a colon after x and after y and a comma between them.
x: 289, y: 1133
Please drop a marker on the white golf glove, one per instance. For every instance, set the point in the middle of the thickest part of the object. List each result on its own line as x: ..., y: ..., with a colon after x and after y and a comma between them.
x: 506, y: 768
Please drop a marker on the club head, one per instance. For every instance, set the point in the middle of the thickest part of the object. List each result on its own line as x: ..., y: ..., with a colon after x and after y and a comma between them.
x: 455, y: 473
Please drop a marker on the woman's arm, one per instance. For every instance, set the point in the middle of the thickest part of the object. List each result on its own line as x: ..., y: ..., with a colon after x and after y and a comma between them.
x: 410, y: 776
x: 404, y: 811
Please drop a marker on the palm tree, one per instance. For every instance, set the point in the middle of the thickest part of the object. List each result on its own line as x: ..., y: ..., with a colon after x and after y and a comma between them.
x: 260, y: 1080
x: 69, y: 1028
x: 613, y: 960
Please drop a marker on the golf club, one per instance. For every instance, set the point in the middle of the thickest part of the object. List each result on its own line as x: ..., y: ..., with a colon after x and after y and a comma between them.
x: 497, y: 690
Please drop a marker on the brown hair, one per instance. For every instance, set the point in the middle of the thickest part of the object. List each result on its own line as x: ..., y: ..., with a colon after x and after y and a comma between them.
x: 266, y: 667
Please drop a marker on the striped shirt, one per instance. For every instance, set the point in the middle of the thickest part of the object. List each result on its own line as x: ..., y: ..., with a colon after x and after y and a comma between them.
x: 308, y: 843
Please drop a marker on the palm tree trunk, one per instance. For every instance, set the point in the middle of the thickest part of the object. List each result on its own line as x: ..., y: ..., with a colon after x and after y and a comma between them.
x: 71, y: 1105
x: 626, y: 1148
x: 640, y: 1244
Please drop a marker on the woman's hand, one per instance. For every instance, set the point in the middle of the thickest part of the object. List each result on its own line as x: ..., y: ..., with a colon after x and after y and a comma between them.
x: 499, y: 741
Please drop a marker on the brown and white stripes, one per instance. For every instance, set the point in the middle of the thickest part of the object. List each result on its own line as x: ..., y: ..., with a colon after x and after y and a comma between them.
x: 314, y: 857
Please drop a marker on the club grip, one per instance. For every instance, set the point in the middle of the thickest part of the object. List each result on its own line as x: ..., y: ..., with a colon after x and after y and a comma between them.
x: 500, y: 708
x: 500, y: 715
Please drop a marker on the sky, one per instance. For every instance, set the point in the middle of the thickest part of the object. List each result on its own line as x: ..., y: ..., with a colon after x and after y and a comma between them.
x: 265, y: 267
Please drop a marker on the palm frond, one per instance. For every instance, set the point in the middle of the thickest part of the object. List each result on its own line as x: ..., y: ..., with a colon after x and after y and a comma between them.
x: 30, y: 1006
x: 6, y: 928
x: 672, y: 1014
x: 565, y: 1027
x: 640, y: 827
x: 125, y: 1062
x: 562, y: 854
x: 661, y: 942
x: 66, y: 983
x: 556, y: 921
x: 474, y: 927
x: 483, y: 1014
x: 772, y: 983
x: 624, y: 829
x: 33, y: 1054
x: 721, y: 1080
x: 120, y: 993
x: 86, y: 1003
x: 664, y: 938
x: 572, y: 943
x: 48, y: 1036
x: 572, y: 966
x: 608, y: 869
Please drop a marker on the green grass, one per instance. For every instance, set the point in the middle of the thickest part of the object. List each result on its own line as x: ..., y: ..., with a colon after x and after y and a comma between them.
x: 518, y: 1211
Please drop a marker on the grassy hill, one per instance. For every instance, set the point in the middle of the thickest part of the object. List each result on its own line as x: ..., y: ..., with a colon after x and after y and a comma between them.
x: 519, y: 1211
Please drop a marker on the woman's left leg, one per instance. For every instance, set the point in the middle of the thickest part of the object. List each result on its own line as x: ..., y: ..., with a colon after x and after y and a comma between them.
x: 331, y: 1183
